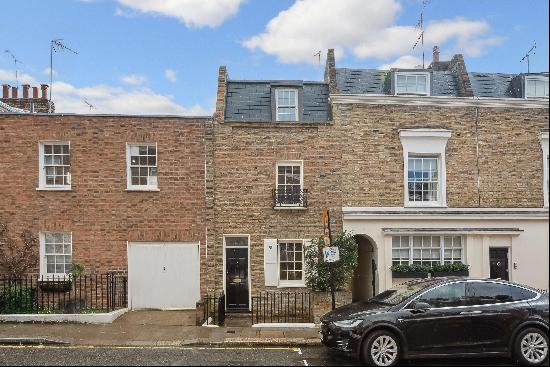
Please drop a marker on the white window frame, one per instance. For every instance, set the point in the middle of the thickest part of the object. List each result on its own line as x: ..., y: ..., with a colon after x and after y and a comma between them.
x: 286, y: 164
x: 42, y: 185
x: 43, y: 263
x: 129, y: 186
x: 441, y: 246
x: 296, y: 107
x: 416, y: 74
x: 428, y: 143
x: 530, y: 78
x: 545, y: 153
x: 291, y: 283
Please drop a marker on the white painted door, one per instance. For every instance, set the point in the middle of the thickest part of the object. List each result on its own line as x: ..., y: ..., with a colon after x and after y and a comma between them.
x: 163, y: 275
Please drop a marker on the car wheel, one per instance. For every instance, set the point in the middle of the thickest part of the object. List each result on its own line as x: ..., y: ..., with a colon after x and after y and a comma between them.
x: 531, y: 347
x: 381, y: 348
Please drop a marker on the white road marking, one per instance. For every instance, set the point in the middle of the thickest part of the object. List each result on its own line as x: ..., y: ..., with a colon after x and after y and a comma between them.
x: 305, y: 362
x: 300, y: 351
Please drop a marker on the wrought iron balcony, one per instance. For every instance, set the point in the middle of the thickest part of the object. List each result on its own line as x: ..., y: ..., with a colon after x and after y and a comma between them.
x: 289, y: 198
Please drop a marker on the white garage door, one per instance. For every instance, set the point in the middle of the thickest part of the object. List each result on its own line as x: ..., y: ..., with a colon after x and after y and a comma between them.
x: 163, y: 275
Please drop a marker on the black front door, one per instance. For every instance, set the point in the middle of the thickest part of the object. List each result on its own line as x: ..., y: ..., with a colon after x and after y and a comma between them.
x: 498, y: 258
x: 236, y: 278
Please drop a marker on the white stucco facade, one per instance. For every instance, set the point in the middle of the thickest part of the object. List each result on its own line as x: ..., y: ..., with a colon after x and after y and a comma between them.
x: 524, y: 232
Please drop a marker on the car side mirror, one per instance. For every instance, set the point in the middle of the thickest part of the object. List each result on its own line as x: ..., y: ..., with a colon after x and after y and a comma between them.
x: 420, y: 307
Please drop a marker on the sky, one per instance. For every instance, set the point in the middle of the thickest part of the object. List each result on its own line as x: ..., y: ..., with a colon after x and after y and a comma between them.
x: 162, y: 56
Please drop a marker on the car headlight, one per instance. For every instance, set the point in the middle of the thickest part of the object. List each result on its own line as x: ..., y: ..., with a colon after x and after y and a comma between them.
x: 348, y: 324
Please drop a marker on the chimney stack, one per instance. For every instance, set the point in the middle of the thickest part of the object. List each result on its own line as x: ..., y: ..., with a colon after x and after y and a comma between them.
x: 14, y: 92
x: 5, y: 91
x: 435, y: 57
x: 44, y: 88
x: 26, y: 88
x: 35, y: 92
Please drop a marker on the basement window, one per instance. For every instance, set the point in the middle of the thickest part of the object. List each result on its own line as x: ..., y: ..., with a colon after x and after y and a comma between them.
x: 412, y: 83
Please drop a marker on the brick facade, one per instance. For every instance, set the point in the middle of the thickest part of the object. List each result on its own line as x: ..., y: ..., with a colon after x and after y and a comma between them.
x: 98, y: 210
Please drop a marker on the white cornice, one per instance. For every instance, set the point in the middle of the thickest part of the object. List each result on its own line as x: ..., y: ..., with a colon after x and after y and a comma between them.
x: 425, y: 133
x: 391, y: 213
x: 438, y: 101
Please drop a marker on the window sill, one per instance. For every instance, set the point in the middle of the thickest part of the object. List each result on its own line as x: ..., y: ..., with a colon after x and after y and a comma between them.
x: 290, y: 207
x: 142, y: 190
x: 291, y: 285
x: 425, y: 205
x: 54, y: 189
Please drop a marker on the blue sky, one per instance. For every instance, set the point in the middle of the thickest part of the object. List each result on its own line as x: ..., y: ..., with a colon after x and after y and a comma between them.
x: 161, y: 56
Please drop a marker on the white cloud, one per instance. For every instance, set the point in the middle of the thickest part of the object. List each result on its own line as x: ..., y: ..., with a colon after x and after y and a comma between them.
x: 193, y: 13
x: 170, y: 75
x: 46, y: 71
x: 133, y: 79
x: 404, y: 62
x: 23, y: 78
x: 111, y: 100
x: 365, y: 28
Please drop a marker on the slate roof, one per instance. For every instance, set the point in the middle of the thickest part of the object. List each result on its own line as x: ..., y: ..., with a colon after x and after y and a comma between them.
x: 249, y: 100
x: 494, y: 85
x: 443, y: 83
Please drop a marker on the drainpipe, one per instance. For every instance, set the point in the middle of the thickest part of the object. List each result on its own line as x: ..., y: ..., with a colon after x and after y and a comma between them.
x: 477, y: 160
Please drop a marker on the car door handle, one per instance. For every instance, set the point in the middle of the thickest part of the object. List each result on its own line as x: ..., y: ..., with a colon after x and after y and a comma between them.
x: 471, y: 312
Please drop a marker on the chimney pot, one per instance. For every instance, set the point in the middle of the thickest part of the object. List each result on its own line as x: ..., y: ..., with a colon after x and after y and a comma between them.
x: 5, y: 91
x: 435, y: 57
x: 44, y: 88
x: 35, y: 92
x: 14, y: 92
x: 26, y: 88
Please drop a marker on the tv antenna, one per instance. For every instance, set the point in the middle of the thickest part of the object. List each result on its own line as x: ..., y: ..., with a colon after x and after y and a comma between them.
x: 318, y: 54
x: 15, y: 61
x: 92, y: 107
x: 420, y: 26
x: 528, y: 54
x: 56, y: 45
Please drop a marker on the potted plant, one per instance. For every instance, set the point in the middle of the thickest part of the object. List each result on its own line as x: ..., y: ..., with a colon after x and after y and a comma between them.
x: 410, y: 271
x: 457, y: 269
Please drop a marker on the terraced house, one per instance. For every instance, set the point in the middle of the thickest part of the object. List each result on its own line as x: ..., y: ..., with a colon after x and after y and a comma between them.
x: 425, y: 166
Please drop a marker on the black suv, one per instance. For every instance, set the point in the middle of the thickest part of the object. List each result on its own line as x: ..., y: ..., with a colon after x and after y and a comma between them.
x: 443, y: 317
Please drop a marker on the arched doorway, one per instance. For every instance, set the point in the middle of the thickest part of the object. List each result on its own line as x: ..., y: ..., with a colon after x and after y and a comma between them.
x: 364, y: 277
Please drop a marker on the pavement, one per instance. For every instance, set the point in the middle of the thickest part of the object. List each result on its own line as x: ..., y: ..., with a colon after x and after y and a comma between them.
x: 154, y: 329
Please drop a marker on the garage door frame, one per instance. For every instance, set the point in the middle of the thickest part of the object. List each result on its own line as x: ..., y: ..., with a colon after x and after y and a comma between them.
x: 137, y: 243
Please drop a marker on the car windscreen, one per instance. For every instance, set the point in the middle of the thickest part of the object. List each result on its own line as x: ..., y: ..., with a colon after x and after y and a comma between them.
x: 402, y: 292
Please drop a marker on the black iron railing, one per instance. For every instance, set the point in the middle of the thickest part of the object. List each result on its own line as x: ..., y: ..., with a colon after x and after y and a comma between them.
x: 289, y: 198
x: 62, y: 294
x: 214, y: 309
x: 282, y: 307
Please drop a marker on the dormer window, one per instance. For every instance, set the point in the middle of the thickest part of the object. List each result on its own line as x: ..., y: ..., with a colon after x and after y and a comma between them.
x: 286, y: 104
x: 536, y: 87
x: 412, y: 83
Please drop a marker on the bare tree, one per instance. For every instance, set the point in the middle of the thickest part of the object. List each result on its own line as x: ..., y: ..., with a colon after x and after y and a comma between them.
x: 17, y: 256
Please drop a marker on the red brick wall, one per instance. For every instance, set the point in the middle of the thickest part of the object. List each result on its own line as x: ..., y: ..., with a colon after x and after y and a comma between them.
x: 98, y: 210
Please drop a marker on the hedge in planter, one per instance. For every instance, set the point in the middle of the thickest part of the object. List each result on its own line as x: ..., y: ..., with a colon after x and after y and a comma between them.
x: 410, y: 271
x: 454, y: 269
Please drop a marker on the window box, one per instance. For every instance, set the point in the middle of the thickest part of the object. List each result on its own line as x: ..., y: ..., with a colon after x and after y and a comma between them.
x: 441, y: 274
x: 409, y: 274
x: 55, y: 285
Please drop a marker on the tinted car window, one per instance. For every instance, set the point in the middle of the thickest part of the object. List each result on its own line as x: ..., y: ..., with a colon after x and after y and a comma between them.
x: 520, y: 294
x: 449, y: 295
x: 487, y: 293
